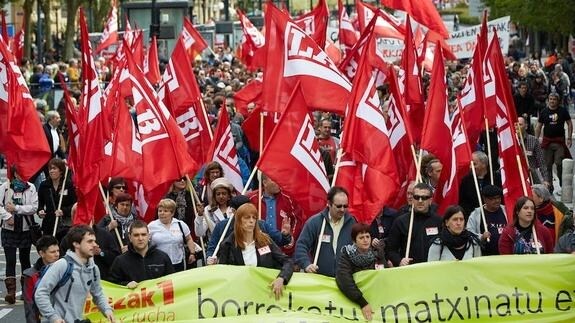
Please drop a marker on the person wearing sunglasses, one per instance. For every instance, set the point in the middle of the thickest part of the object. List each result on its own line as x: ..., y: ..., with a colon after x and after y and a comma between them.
x: 426, y: 226
x: 336, y: 234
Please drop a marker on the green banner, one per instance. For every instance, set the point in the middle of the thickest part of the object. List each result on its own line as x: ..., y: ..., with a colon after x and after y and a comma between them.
x: 500, y: 289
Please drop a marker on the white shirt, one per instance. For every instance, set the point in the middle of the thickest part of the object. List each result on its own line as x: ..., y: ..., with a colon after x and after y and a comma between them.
x: 169, y: 240
x: 336, y: 227
x: 209, y: 220
x: 249, y: 255
x: 55, y: 138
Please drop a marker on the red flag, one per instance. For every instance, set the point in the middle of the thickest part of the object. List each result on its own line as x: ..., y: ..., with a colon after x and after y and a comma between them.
x: 22, y: 138
x: 193, y: 41
x: 413, y: 90
x: 348, y: 35
x: 385, y: 26
x: 251, y: 47
x: 509, y: 151
x: 223, y: 150
x: 180, y: 93
x: 4, y: 34
x: 366, y: 137
x: 489, y: 97
x: 18, y: 44
x: 369, y: 190
x: 421, y: 10
x: 160, y: 138
x: 437, y: 136
x: 251, y: 127
x: 250, y: 93
x: 400, y: 138
x: 292, y: 157
x: 110, y: 34
x: 72, y: 125
x: 152, y: 64
x: 314, y: 23
x: 293, y: 56
x: 472, y: 98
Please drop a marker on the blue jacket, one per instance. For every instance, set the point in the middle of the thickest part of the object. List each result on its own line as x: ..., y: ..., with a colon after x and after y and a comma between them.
x: 308, y: 238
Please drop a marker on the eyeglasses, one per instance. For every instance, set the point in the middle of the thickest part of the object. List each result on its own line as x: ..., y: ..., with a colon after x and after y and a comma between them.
x: 421, y: 197
x: 341, y: 206
x: 183, y: 179
x: 120, y: 187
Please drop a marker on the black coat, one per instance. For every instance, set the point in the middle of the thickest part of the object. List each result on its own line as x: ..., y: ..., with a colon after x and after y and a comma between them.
x: 275, y: 259
x: 48, y: 199
x: 131, y: 266
x: 344, y: 275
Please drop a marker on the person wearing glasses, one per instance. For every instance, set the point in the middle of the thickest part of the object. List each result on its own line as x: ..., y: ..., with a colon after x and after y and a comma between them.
x: 336, y: 234
x: 426, y: 227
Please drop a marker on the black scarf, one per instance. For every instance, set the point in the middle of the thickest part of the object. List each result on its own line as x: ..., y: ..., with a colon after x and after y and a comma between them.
x: 362, y: 260
x: 456, y: 243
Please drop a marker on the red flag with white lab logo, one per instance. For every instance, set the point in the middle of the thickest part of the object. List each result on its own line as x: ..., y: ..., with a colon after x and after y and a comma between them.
x: 292, y: 157
x: 348, y: 35
x: 386, y: 24
x: 314, y: 23
x: 252, y: 45
x: 110, y: 34
x: 293, y: 56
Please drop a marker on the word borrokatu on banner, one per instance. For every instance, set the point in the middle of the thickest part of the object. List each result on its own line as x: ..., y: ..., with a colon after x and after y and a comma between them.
x: 461, y: 42
x: 524, y: 288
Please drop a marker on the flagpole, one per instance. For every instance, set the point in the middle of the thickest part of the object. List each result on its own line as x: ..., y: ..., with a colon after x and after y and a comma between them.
x: 489, y: 151
x: 520, y: 168
x: 194, y: 196
x: 524, y: 149
x: 337, y: 165
x: 110, y: 213
x: 411, y: 216
x: 205, y: 114
x: 417, y: 175
x: 250, y: 179
x: 260, y: 180
x: 60, y: 200
x: 479, y: 197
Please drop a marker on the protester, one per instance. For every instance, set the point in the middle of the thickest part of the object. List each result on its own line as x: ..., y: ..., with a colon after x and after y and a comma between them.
x: 551, y: 125
x: 327, y: 142
x: 279, y: 211
x: 172, y: 236
x: 566, y: 243
x: 49, y: 194
x: 142, y: 261
x: 49, y: 252
x: 467, y: 192
x: 534, y: 154
x: 212, y: 171
x: 219, y: 208
x: 120, y: 220
x: 248, y: 246
x: 337, y: 233
x: 494, y: 215
x: 358, y: 256
x: 518, y: 237
x: 549, y: 212
x: 18, y: 204
x: 380, y: 226
x: 281, y: 238
x: 432, y: 173
x: 454, y: 241
x: 181, y: 194
x: 426, y: 226
x: 66, y: 304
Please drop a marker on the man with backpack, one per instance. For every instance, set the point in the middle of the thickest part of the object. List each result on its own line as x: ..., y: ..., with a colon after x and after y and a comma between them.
x: 49, y: 251
x: 62, y: 290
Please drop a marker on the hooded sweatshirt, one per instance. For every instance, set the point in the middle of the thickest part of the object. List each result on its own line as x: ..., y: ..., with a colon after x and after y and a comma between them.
x: 68, y: 301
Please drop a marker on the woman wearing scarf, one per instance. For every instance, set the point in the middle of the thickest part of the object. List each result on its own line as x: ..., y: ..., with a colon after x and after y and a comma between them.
x: 49, y: 197
x: 454, y: 241
x: 550, y: 213
x: 181, y: 194
x: 122, y: 217
x: 357, y: 257
x: 517, y: 238
x: 18, y: 204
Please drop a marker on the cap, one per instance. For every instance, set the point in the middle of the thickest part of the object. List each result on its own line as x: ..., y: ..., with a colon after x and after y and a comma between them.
x: 491, y: 191
x: 222, y: 182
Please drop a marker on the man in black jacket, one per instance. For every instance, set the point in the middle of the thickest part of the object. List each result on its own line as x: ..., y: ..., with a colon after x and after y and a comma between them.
x: 141, y: 261
x: 426, y: 226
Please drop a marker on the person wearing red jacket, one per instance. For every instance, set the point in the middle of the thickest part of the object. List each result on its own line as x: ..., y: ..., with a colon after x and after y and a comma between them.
x: 518, y: 238
x: 278, y: 207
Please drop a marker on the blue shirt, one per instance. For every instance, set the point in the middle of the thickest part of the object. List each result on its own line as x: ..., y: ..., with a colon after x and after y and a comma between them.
x: 270, y: 210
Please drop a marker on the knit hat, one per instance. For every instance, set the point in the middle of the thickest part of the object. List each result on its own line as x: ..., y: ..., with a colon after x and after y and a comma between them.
x: 238, y: 201
x: 491, y: 191
x: 222, y: 182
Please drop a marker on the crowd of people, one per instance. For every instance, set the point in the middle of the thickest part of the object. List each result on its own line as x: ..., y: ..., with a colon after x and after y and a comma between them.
x: 268, y: 228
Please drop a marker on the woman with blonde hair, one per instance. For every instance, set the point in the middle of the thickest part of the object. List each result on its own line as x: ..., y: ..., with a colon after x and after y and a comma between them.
x: 248, y: 246
x: 172, y: 236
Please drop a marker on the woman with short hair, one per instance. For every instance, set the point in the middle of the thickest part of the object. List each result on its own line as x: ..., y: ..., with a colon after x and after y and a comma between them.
x: 172, y: 235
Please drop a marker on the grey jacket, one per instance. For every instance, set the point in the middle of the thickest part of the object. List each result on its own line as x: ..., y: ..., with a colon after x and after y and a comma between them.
x: 438, y: 252
x: 68, y: 301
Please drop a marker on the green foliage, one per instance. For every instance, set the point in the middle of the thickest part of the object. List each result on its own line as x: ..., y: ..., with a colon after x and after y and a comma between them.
x: 468, y: 20
x: 554, y: 16
x: 462, y: 5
